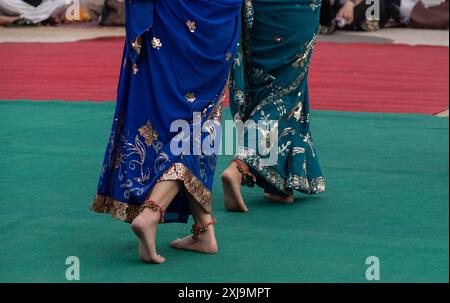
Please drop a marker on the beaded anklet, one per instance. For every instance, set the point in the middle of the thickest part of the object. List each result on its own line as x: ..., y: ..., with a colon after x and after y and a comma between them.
x: 150, y: 204
x: 200, y: 228
x: 248, y: 179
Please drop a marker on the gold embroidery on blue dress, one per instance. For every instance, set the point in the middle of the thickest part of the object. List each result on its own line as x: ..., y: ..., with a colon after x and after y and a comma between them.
x: 135, y: 154
x: 191, y: 97
x: 193, y: 185
x: 137, y: 45
x: 135, y: 69
x: 113, y: 139
x: 148, y: 133
x: 228, y: 56
x: 156, y: 43
x: 192, y: 26
x: 118, y: 159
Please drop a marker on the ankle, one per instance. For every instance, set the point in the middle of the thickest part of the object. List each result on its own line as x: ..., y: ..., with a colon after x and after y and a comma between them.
x: 147, y: 217
x: 204, y: 227
x: 207, y: 237
x: 232, y: 172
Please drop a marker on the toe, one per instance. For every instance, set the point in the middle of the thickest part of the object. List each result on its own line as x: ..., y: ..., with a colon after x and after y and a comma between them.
x: 175, y: 243
x: 159, y: 259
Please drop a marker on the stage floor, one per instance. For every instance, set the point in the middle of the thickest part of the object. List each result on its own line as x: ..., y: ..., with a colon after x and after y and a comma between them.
x: 387, y: 196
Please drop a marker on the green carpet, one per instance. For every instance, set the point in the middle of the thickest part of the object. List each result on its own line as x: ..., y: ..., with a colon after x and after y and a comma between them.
x: 387, y: 197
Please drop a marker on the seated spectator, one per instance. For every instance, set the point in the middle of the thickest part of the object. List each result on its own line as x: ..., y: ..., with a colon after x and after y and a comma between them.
x: 351, y: 15
x: 113, y: 13
x: 35, y: 12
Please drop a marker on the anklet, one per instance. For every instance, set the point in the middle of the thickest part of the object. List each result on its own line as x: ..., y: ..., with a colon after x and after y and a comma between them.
x: 200, y: 228
x: 248, y: 179
x: 150, y: 204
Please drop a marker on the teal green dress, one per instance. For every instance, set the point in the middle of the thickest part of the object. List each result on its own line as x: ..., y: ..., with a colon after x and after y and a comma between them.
x: 269, y: 83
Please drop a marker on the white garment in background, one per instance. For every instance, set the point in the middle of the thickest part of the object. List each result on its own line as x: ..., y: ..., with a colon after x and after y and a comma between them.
x: 29, y: 12
x: 406, y: 8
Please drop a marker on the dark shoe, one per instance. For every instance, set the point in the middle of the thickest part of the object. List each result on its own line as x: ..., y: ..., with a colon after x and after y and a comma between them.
x: 328, y: 29
x: 370, y: 25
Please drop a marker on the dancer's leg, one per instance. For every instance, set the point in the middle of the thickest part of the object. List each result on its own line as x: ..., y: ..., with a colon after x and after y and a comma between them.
x: 204, y: 242
x: 145, y: 225
x: 231, y: 182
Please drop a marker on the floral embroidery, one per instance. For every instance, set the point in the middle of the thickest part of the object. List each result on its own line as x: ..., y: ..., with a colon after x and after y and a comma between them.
x: 132, y: 150
x: 191, y: 97
x: 191, y: 26
x: 148, y: 133
x: 156, y: 43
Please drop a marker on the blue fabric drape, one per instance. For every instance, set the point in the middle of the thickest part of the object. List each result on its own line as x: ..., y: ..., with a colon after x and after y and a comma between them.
x: 176, y: 63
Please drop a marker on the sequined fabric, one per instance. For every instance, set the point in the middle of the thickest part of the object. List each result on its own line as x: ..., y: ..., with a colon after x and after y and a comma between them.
x: 269, y: 82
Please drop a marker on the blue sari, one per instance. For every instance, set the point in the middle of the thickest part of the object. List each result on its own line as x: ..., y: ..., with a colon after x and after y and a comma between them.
x: 176, y: 65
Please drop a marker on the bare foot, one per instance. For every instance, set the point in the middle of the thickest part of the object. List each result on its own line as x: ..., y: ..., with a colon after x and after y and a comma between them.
x: 281, y: 199
x: 144, y: 226
x: 231, y: 182
x: 204, y: 243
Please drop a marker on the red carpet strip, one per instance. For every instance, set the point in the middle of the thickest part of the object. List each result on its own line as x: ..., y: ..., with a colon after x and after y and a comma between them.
x: 344, y: 77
